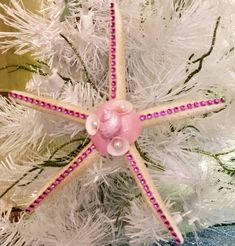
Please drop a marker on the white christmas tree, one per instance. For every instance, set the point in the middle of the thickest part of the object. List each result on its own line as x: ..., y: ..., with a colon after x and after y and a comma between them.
x: 175, y: 50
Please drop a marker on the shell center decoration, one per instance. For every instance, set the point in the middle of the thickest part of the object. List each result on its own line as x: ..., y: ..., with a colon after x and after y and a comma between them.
x: 114, y: 127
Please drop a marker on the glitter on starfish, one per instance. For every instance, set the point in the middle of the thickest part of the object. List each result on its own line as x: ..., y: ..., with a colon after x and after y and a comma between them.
x: 114, y: 127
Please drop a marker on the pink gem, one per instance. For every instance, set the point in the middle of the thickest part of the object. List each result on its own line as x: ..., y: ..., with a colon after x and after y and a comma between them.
x: 222, y: 100
x: 61, y: 178
x: 140, y: 176
x: 14, y: 95
x: 64, y: 174
x: 113, y: 31
x: 32, y: 206
x: 160, y: 211
x: 93, y: 147
x: 169, y: 111
x: 133, y: 163
x: 52, y: 187
x: 88, y: 151
x: 57, y: 182
x: 54, y: 107
x: 156, y: 115
x: 113, y: 69
x: 146, y: 188
x: 112, y: 12
x: 149, y: 194
x: 142, y: 181
x: 59, y: 109
x: 189, y: 106
x: 20, y: 97
x: 129, y: 157
x: 10, y: 94
x: 74, y: 165
x: 112, y: 26
x: 71, y: 112
x: 149, y: 116
x: 26, y: 99
x: 170, y: 229
x: 84, y: 156
x: 163, y: 113
x: 28, y: 210
x: 196, y: 104
x: 142, y: 117
x: 113, y: 44
x: 83, y: 116
x: 69, y: 170
x: 42, y: 104
x: 156, y: 206
x: 203, y: 103
x: 113, y: 63
x: 114, y: 89
x: 178, y: 241
x: 112, y: 18
x: 210, y: 102
x: 166, y: 222
x: 153, y: 200
x: 111, y: 5
x: 113, y: 50
x: 216, y: 101
x: 32, y: 101
x: 136, y: 169
x: 174, y: 234
x: 65, y: 111
x: 176, y: 109
x: 48, y: 105
x: 113, y: 37
x: 182, y: 108
x: 113, y: 96
x: 114, y: 83
x: 77, y: 115
x: 163, y: 217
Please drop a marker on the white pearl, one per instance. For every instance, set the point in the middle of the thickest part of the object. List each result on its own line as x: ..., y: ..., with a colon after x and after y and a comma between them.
x: 118, y: 144
x: 94, y: 124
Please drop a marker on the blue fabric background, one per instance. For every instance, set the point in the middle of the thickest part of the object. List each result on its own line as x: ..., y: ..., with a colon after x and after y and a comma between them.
x: 214, y: 236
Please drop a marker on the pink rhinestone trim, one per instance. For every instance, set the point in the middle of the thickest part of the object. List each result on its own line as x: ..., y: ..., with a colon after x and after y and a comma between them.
x: 71, y: 168
x: 144, y: 184
x: 48, y: 106
x: 113, y: 49
x: 181, y: 108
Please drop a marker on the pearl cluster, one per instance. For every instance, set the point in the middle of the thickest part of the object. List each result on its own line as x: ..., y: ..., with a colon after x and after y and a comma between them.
x: 181, y: 108
x: 144, y: 183
x: 113, y: 52
x: 75, y: 164
x: 48, y: 106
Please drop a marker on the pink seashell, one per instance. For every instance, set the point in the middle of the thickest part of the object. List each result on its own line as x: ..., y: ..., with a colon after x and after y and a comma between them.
x: 110, y: 124
x: 118, y: 146
x: 92, y: 124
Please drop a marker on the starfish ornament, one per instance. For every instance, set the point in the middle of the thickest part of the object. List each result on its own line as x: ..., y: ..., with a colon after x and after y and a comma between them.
x: 114, y: 126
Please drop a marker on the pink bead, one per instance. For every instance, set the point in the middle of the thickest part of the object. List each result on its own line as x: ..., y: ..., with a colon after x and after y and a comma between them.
x: 129, y: 157
x: 59, y: 109
x: 160, y: 211
x: 139, y: 176
x: 216, y: 101
x: 113, y: 70
x: 136, y: 169
x: 196, y: 104
x: 203, y: 103
x: 169, y: 111
x: 77, y: 114
x: 112, y: 12
x: 112, y: 26
x: 156, y: 206
x: 113, y: 50
x: 149, y: 116
x: 65, y: 111
x: 210, y: 102
x: 152, y: 199
x: 182, y: 108
x: 74, y: 165
x: 113, y: 44
x: 71, y: 112
x: 189, y: 106
x: 84, y: 156
x: 26, y: 99
x: 20, y: 97
x: 176, y: 109
x: 156, y: 115
x: 142, y: 117
x: 149, y: 194
x: 142, y: 181
x: 113, y: 37
x: 146, y: 188
x: 222, y: 100
x: 88, y: 151
x: 111, y: 5
x: 163, y: 113
x: 133, y: 163
x: 42, y: 104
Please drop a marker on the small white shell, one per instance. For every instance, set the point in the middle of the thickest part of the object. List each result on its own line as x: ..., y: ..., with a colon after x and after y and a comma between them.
x: 118, y: 146
x: 123, y: 107
x: 92, y: 124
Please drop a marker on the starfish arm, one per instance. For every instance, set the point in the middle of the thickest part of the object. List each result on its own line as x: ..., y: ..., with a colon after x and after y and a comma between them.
x: 150, y: 194
x: 117, y: 84
x: 51, y: 106
x: 179, y: 110
x: 78, y: 164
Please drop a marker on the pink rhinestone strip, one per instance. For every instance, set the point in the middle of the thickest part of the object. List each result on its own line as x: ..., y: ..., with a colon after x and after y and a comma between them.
x: 181, y: 108
x: 46, y: 105
x: 144, y: 183
x: 113, y: 50
x: 70, y: 169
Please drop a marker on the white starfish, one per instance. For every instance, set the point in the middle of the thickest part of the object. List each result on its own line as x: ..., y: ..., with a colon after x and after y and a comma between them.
x: 112, y: 131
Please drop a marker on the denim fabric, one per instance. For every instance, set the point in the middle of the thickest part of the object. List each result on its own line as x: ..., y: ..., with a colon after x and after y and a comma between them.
x: 214, y: 236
